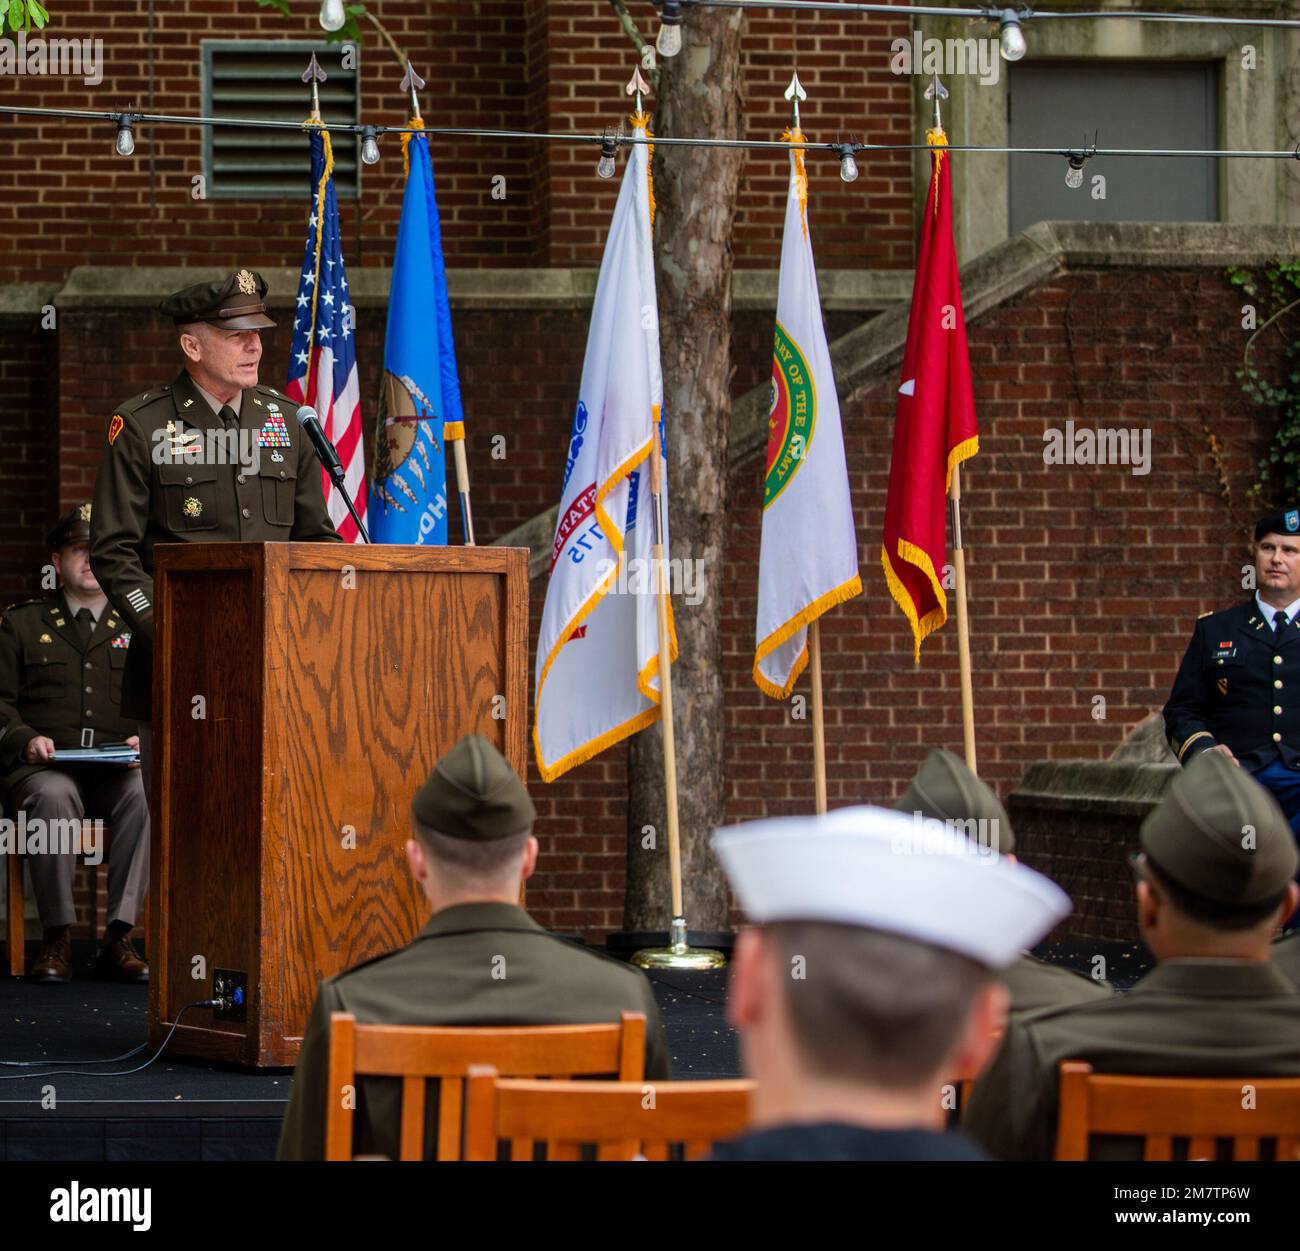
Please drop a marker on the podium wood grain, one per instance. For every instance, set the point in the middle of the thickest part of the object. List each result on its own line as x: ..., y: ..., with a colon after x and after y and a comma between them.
x: 331, y: 679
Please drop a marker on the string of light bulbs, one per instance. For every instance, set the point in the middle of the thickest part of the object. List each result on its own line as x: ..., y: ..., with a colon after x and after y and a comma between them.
x: 846, y: 151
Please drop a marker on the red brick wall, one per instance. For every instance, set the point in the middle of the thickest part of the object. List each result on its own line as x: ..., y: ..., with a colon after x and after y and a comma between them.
x: 66, y: 200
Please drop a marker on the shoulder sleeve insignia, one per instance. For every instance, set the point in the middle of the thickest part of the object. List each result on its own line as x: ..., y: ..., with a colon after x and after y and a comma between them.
x: 115, y: 424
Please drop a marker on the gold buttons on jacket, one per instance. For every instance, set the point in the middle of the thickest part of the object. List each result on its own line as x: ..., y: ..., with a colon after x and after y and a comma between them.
x: 1277, y: 660
x: 1277, y: 708
x: 1277, y: 738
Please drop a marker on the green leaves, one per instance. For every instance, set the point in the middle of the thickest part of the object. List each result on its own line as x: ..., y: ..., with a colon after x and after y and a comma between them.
x: 18, y: 15
x: 281, y: 6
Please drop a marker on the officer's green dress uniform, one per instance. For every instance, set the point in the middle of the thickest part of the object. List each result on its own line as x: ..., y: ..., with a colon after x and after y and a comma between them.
x: 1201, y: 1017
x: 58, y: 684
x: 946, y: 790
x: 150, y: 490
x: 472, y: 964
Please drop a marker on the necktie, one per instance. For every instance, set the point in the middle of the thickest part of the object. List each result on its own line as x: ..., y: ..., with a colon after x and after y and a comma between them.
x: 85, y: 625
x: 1279, y: 622
x: 228, y: 416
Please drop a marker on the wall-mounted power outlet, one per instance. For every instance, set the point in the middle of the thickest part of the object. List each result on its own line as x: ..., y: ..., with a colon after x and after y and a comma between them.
x: 232, y: 986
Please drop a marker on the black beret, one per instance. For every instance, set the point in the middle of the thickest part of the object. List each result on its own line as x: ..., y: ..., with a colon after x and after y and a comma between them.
x: 473, y: 793
x: 236, y: 302
x: 72, y: 527
x: 1278, y: 523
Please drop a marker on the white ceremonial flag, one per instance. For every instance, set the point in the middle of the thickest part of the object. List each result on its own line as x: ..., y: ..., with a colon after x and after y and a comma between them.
x: 809, y: 556
x: 597, y: 675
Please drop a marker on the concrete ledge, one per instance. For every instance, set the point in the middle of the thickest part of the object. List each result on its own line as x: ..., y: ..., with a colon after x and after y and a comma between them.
x: 142, y: 286
x: 25, y: 299
x: 1130, y: 790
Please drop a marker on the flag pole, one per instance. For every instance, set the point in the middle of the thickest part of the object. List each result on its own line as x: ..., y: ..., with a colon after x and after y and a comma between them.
x: 818, y: 717
x: 411, y: 82
x: 963, y: 622
x: 678, y: 954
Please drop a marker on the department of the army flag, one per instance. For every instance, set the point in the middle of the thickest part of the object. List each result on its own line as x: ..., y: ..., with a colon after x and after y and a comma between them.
x: 323, y: 358
x: 419, y: 406
x: 808, y: 562
x: 935, y: 429
x: 597, y: 674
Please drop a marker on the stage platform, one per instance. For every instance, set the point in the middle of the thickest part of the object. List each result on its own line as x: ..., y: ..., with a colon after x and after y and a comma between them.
x: 186, y: 1109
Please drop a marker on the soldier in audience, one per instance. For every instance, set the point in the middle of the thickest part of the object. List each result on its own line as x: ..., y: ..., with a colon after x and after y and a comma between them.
x: 481, y: 959
x: 61, y: 665
x: 1215, y: 881
x: 946, y: 790
x: 869, y: 980
x: 1285, y: 954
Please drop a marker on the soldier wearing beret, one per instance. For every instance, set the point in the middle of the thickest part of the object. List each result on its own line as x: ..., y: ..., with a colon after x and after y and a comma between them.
x: 1238, y: 689
x: 1214, y: 882
x: 946, y: 790
x: 209, y: 457
x: 481, y: 959
x: 61, y: 666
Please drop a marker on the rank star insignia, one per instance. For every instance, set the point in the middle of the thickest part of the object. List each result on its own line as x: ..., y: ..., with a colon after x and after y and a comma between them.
x: 192, y: 507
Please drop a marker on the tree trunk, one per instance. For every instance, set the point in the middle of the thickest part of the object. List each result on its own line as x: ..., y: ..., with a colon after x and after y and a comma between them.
x: 695, y: 205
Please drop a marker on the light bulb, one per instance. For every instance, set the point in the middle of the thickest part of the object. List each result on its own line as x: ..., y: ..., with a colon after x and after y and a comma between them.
x: 125, y: 145
x: 669, y: 42
x: 608, y: 149
x: 369, y: 146
x: 848, y: 166
x: 1074, y: 173
x: 1013, y: 38
x: 332, y: 15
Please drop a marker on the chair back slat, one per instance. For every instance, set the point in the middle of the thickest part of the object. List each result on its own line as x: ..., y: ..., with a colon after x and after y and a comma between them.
x: 617, y: 1117
x: 1161, y: 1110
x: 419, y: 1054
x: 412, y: 1122
x: 1288, y: 1148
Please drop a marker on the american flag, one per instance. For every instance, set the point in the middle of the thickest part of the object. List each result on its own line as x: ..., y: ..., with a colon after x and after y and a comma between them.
x: 323, y: 361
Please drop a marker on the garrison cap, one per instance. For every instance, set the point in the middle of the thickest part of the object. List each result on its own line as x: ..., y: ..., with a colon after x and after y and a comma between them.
x: 1219, y: 834
x: 236, y: 302
x: 473, y: 793
x: 1287, y: 522
x: 72, y: 527
x: 946, y: 790
x: 879, y: 869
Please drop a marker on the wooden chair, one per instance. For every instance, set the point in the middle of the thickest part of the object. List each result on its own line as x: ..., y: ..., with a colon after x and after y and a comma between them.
x: 419, y: 1054
x: 1161, y: 1109
x: 622, y: 1119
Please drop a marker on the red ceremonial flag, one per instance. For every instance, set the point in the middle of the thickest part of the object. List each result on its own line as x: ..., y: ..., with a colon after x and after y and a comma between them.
x: 935, y: 427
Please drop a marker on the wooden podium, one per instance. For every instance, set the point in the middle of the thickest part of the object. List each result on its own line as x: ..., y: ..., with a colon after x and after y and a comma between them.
x: 302, y: 693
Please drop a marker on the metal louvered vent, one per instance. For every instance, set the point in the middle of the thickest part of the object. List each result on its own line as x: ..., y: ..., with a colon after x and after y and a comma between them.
x: 262, y: 79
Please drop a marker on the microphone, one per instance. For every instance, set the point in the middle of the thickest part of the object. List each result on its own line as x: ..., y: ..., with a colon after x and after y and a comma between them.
x: 329, y: 458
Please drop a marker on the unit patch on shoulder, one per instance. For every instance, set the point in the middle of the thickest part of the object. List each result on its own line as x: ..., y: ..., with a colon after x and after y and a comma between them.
x: 115, y: 424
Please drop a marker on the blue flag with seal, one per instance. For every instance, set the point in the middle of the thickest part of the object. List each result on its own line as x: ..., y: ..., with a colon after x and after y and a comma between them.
x: 420, y: 404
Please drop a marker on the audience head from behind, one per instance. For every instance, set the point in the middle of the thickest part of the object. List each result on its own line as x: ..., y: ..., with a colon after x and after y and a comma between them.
x: 1215, y: 876
x: 867, y: 980
x: 473, y: 822
x: 945, y: 790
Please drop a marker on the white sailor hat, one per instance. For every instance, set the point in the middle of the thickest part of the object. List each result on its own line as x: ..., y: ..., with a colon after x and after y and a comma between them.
x: 891, y: 871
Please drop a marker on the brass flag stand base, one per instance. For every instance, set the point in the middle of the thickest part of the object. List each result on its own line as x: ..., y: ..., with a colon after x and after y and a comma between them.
x: 677, y: 955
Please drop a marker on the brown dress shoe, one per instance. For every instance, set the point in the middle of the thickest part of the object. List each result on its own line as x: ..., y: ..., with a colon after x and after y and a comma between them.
x: 53, y: 966
x: 120, y: 961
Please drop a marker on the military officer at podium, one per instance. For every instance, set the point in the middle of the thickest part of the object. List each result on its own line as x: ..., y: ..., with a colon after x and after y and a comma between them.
x: 61, y: 666
x: 211, y: 456
x: 480, y: 960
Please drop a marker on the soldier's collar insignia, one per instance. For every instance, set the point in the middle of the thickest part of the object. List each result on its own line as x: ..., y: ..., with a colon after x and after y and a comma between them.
x: 188, y: 402
x: 257, y: 401
x: 112, y: 625
x: 58, y: 621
